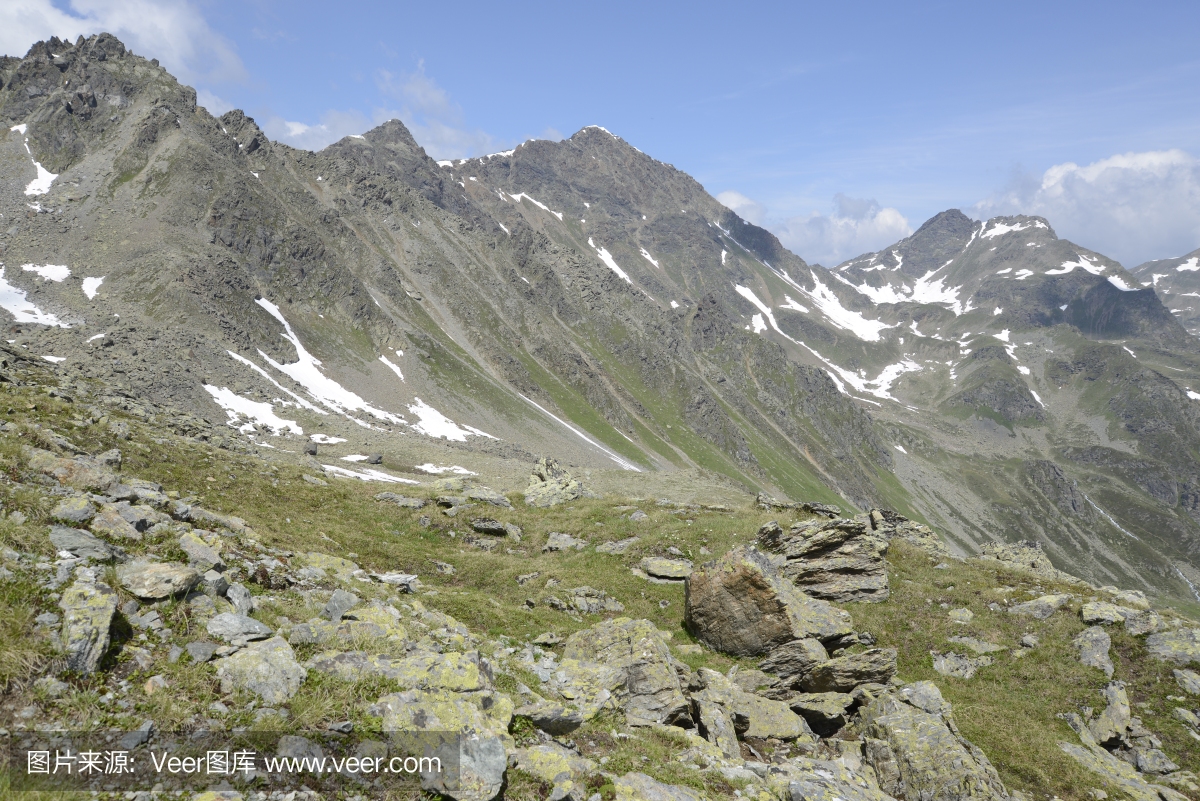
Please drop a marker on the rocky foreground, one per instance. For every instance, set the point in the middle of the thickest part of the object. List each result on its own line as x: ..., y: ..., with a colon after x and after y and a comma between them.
x: 779, y: 667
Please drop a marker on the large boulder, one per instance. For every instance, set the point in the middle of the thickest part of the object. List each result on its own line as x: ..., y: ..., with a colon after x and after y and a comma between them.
x: 843, y: 673
x: 88, y: 607
x: 1041, y: 608
x: 914, y: 746
x: 468, y: 732
x: 154, y: 581
x: 268, y: 669
x: 649, y: 677
x: 751, y: 715
x: 837, y: 560
x: 1181, y: 646
x: 202, y: 554
x: 740, y: 605
x: 550, y: 484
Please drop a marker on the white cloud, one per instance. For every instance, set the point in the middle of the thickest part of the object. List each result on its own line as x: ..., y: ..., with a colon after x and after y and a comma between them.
x: 1132, y: 207
x: 436, y: 122
x: 333, y: 126
x: 856, y: 226
x: 215, y: 106
x: 749, y: 210
x: 173, y: 31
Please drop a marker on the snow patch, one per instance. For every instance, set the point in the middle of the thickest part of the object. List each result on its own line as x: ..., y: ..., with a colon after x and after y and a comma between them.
x: 49, y: 272
x: 94, y: 337
x: 1120, y: 284
x: 723, y: 255
x: 999, y: 229
x: 625, y: 464
x: 15, y: 302
x: 646, y: 255
x: 393, y: 367
x: 91, y: 286
x: 366, y: 475
x: 900, y: 448
x: 517, y: 197
x: 758, y: 324
x: 1022, y: 369
x: 607, y: 258
x: 323, y: 439
x: 1037, y: 398
x: 1193, y: 395
x: 430, y: 467
x: 997, y: 311
x: 1021, y: 275
x: 256, y: 413
x: 55, y: 359
x: 355, y: 457
x: 1003, y: 335
x: 433, y: 423
x: 674, y: 305
x: 829, y: 304
x: 1191, y: 265
x: 1083, y: 262
x: 793, y: 305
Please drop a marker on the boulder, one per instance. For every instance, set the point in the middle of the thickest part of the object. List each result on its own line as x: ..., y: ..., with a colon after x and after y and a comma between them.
x: 825, y: 713
x: 812, y: 779
x: 557, y: 541
x: 235, y: 628
x: 239, y: 596
x: 552, y: 718
x: 914, y: 746
x: 740, y: 605
x: 82, y: 545
x: 640, y: 787
x: 666, y: 569
x: 154, y: 581
x: 1041, y: 608
x: 1146, y: 622
x: 344, y: 569
x: 1027, y: 556
x: 844, y: 673
x: 109, y: 522
x: 401, y: 500
x: 467, y: 730
x: 1099, y: 612
x: 796, y: 659
x: 486, y: 525
x: 486, y: 495
x: 201, y: 555
x: 1181, y: 646
x: 81, y: 473
x: 1188, y: 681
x: 420, y: 670
x: 551, y: 485
x: 268, y: 669
x: 617, y: 547
x: 564, y: 770
x: 1134, y: 599
x: 88, y: 607
x: 958, y: 665
x: 1111, y: 726
x: 649, y: 686
x: 1092, y: 645
x: 339, y: 604
x: 837, y: 560
x: 588, y: 601
x: 73, y: 511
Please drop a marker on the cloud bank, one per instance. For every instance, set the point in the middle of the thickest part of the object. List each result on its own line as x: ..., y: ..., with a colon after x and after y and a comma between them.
x: 1133, y: 207
x: 173, y: 31
x: 855, y: 226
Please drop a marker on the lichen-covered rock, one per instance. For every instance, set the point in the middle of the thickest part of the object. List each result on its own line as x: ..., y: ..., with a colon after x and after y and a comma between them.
x: 1188, y: 681
x: 1133, y: 599
x: 958, y: 665
x: 344, y: 569
x: 469, y: 730
x: 82, y: 545
x: 235, y: 628
x: 1092, y: 645
x: 88, y: 607
x: 1041, y: 608
x: 827, y: 780
x: 752, y: 715
x: 1181, y: 646
x: 1145, y: 622
x: 80, y: 473
x: 557, y: 541
x: 740, y: 605
x: 374, y: 621
x: 554, y: 765
x: 666, y: 569
x: 796, y: 659
x: 268, y: 669
x: 456, y: 672
x: 1102, y: 613
x: 154, y: 581
x: 1027, y: 556
x: 844, y: 673
x: 551, y: 485
x: 916, y: 750
x: 640, y: 787
x: 109, y: 522
x: 837, y: 560
x: 650, y: 687
x: 825, y: 713
x: 73, y: 511
x: 202, y: 555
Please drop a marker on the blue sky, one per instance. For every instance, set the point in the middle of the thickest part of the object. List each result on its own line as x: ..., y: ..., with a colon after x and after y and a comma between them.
x: 840, y: 126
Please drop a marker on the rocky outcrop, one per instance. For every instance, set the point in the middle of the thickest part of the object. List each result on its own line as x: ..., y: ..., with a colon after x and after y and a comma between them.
x: 740, y: 605
x: 914, y: 746
x: 1181, y: 646
x: 1092, y: 646
x: 844, y: 673
x: 837, y: 560
x: 1041, y: 608
x: 88, y: 607
x: 268, y: 669
x: 551, y: 485
x: 1027, y: 556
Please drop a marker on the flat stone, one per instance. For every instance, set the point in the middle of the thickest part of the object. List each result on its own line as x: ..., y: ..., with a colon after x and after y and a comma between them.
x: 961, y: 616
x: 201, y: 651
x: 109, y: 522
x: 1188, y: 681
x: 669, y: 569
x: 1092, y: 645
x: 233, y: 628
x: 268, y: 669
x: 81, y: 544
x: 557, y: 541
x: 73, y: 511
x: 486, y: 495
x: 1181, y: 646
x: 617, y: 547
x: 1146, y: 622
x: 339, y: 604
x: 978, y: 646
x: 1099, y: 612
x: 844, y: 673
x: 740, y: 605
x: 1041, y: 608
x: 640, y: 787
x: 957, y: 665
x: 154, y: 581
x: 401, y: 500
x: 88, y: 607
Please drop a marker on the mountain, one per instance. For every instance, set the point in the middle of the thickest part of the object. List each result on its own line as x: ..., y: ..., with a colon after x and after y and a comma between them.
x: 583, y: 300
x: 1176, y: 281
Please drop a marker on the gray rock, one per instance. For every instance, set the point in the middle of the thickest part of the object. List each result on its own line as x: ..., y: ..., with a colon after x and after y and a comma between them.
x: 1111, y: 726
x: 837, y: 560
x: 666, y: 569
x: 214, y: 584
x: 740, y: 605
x: 486, y: 525
x: 235, y: 628
x: 339, y: 604
x: 400, y: 500
x: 557, y: 541
x: 138, y: 736
x: 824, y: 712
x: 82, y: 545
x: 88, y: 607
x: 109, y: 522
x: 617, y: 547
x: 1188, y: 681
x: 551, y: 485
x: 1092, y: 645
x: 552, y: 718
x: 1099, y: 612
x: 239, y: 596
x: 51, y: 687
x: 638, y: 516
x: 73, y: 511
x: 291, y: 745
x: 957, y: 665
x: 844, y: 673
x: 1181, y: 646
x: 154, y: 581
x: 640, y: 787
x: 201, y: 651
x: 796, y: 659
x: 268, y: 669
x: 486, y: 495
x: 978, y: 646
x: 1041, y: 608
x: 1146, y: 622
x: 201, y: 555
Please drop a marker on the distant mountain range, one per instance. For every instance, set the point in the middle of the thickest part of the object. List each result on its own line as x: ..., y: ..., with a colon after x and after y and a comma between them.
x: 582, y: 300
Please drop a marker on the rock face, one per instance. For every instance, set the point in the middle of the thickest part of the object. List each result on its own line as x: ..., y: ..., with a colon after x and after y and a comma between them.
x: 740, y: 605
x: 550, y: 484
x: 837, y: 560
x: 914, y: 746
x: 268, y: 669
x: 88, y: 606
x: 649, y: 682
x: 844, y: 673
x: 727, y: 710
x: 154, y: 581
